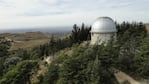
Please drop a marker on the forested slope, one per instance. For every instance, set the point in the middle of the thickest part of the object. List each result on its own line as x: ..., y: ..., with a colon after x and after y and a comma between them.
x: 82, y: 63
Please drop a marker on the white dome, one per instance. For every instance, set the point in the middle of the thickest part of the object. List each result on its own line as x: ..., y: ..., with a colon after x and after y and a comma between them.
x: 103, y: 25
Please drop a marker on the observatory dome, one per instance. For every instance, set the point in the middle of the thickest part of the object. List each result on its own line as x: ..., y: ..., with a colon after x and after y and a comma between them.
x: 104, y: 25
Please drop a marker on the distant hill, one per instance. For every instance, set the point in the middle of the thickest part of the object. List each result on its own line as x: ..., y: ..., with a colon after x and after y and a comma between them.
x: 147, y: 27
x: 26, y: 40
x: 30, y: 37
x: 24, y: 36
x: 44, y: 30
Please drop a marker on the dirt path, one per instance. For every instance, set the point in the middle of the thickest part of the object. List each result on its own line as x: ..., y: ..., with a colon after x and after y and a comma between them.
x: 42, y: 70
x: 123, y: 78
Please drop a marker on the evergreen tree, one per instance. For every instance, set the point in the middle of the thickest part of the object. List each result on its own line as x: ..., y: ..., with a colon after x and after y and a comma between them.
x: 80, y: 34
x: 142, y: 58
x: 4, y: 46
x: 19, y: 74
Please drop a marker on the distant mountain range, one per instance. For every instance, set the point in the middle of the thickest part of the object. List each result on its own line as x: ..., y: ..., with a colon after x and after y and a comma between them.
x: 51, y: 30
x: 44, y: 30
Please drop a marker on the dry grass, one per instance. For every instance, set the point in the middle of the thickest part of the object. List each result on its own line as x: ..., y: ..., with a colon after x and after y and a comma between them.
x: 27, y: 44
x: 147, y: 27
x: 26, y: 40
x: 25, y: 36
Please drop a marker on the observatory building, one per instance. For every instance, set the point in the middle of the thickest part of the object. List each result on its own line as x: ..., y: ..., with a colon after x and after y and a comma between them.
x: 102, y: 30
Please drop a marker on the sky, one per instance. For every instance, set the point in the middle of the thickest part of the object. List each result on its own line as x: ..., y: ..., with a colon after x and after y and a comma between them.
x: 57, y: 13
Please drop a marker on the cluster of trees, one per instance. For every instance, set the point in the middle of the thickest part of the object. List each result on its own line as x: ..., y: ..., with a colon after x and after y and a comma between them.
x: 17, y: 65
x: 80, y: 34
x: 94, y: 64
x: 47, y: 49
x: 20, y: 74
x: 15, y: 68
x: 54, y: 45
x: 86, y: 64
x: 130, y: 31
x: 4, y: 46
x: 142, y: 59
x: 130, y: 38
x: 77, y: 35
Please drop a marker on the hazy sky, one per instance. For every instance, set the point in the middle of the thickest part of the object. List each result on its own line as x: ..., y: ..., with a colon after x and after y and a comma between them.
x: 44, y: 13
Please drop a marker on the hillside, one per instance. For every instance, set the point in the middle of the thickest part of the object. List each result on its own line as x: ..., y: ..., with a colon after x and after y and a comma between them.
x: 73, y: 60
x: 26, y: 40
x: 147, y: 27
x: 66, y: 54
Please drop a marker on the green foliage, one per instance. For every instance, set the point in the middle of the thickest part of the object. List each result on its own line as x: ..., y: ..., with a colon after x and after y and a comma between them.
x: 129, y: 37
x: 35, y: 53
x: 51, y: 47
x: 142, y: 58
x: 52, y: 75
x: 24, y: 54
x: 4, y: 46
x: 130, y: 31
x: 11, y: 62
x: 86, y: 65
x: 1, y: 66
x: 80, y: 34
x: 94, y: 64
x: 20, y: 74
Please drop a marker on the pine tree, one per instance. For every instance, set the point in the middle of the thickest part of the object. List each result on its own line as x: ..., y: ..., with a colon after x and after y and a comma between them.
x: 142, y: 58
x: 4, y: 46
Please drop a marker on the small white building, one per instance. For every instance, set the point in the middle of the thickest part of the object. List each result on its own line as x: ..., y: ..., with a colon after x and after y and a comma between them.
x: 102, y: 30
